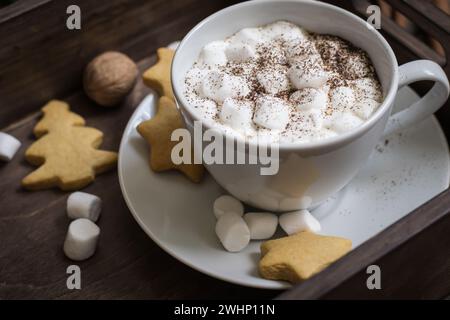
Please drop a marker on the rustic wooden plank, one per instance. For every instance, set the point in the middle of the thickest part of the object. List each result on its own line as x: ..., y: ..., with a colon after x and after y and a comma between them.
x: 433, y: 22
x: 15, y: 9
x: 418, y: 47
x: 408, y: 50
x: 429, y: 10
x: 419, y: 269
x: 127, y: 264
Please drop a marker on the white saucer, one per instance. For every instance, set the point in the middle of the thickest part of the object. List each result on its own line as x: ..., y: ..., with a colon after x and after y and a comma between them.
x: 403, y: 173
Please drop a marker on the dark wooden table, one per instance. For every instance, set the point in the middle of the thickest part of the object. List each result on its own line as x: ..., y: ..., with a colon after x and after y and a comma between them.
x: 45, y: 61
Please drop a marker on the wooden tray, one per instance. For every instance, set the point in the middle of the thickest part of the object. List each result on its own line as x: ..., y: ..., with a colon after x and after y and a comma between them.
x: 40, y: 59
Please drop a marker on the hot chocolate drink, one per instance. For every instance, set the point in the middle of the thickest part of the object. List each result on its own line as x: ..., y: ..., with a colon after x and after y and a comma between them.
x: 280, y: 83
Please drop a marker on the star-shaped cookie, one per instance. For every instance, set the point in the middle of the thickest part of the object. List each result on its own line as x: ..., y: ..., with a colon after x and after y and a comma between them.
x: 300, y: 256
x: 157, y: 132
x: 158, y: 76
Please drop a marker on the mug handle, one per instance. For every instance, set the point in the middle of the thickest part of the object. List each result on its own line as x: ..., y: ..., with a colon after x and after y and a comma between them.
x: 434, y: 99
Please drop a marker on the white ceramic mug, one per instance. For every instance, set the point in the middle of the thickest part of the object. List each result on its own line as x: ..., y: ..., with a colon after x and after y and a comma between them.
x: 309, y: 173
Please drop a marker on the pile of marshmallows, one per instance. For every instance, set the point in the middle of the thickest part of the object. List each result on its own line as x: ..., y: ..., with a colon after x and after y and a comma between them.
x: 235, y: 229
x: 82, y: 235
x: 306, y: 74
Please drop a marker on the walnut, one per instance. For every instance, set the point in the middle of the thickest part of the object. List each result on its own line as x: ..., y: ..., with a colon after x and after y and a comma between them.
x: 109, y: 77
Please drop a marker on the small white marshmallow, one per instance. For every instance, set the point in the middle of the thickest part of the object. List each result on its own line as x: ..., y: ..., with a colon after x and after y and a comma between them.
x: 342, y: 98
x: 250, y: 36
x: 365, y: 108
x: 194, y: 78
x: 273, y: 52
x: 232, y: 232
x: 226, y: 203
x: 357, y: 66
x: 271, y: 113
x: 307, y: 77
x: 81, y: 239
x: 84, y: 205
x: 367, y: 88
x: 240, y: 52
x: 284, y: 30
x: 8, y: 146
x: 206, y: 109
x: 316, y: 118
x: 219, y: 86
x: 297, y: 221
x: 273, y: 80
x: 309, y: 98
x: 237, y: 114
x: 290, y: 203
x: 214, y: 53
x: 302, y: 50
x: 262, y: 225
x: 343, y: 122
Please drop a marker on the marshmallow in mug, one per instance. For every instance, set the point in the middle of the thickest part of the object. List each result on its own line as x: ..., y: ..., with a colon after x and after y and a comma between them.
x: 248, y: 36
x: 343, y: 122
x: 303, y: 76
x: 237, y: 114
x: 302, y: 50
x: 341, y: 97
x: 274, y: 80
x: 309, y: 98
x: 271, y: 113
x: 289, y: 81
x: 283, y: 30
x: 218, y: 86
x: 365, y: 108
x: 213, y: 54
x: 240, y: 52
x: 8, y: 146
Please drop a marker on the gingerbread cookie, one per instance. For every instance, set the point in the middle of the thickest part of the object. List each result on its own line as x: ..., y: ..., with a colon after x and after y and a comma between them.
x: 66, y: 151
x: 157, y: 131
x: 158, y: 76
x: 300, y: 256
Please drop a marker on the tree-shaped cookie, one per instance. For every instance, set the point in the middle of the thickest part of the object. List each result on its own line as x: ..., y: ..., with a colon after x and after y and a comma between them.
x: 66, y: 151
